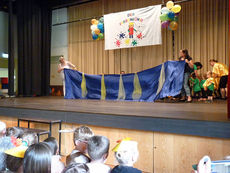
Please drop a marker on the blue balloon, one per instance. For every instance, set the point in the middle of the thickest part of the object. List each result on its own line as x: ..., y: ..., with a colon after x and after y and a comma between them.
x: 94, y: 36
x: 102, y: 30
x: 171, y: 15
x: 100, y: 26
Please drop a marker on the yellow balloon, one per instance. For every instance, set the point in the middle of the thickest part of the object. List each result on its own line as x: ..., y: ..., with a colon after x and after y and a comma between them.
x: 173, y: 25
x: 176, y: 8
x: 170, y: 4
x: 97, y: 31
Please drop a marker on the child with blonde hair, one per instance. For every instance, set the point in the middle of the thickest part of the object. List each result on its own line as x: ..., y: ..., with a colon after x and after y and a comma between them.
x: 80, y: 138
x: 209, y: 86
x: 126, y: 153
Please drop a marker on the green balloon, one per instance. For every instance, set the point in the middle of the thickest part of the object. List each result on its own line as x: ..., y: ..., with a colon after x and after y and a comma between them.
x: 175, y: 19
x: 101, y: 36
x: 164, y: 17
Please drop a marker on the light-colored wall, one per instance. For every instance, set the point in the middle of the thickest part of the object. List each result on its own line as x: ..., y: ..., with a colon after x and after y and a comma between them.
x: 59, y: 43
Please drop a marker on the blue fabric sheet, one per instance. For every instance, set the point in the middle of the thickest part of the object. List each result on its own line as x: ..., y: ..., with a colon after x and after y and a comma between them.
x: 148, y: 80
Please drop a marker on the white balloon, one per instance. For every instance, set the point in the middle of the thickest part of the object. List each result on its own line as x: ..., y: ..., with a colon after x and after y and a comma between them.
x: 93, y: 27
x: 165, y: 10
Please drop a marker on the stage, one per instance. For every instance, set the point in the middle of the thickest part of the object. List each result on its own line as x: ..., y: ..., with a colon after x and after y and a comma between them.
x: 200, y: 119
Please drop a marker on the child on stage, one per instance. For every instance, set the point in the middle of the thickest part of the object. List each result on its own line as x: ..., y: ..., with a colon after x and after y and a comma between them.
x: 209, y: 86
x: 203, y: 92
x: 194, y: 81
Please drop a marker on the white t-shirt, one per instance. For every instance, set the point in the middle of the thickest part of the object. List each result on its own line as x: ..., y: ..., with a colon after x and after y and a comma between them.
x: 56, y: 165
x: 98, y: 168
x: 67, y: 66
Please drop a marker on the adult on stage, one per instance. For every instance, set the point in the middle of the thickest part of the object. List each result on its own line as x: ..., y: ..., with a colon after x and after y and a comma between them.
x: 184, y: 56
x: 64, y: 64
x: 220, y: 73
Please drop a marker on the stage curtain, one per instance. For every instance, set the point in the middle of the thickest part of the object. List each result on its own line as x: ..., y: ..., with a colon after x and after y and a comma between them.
x: 34, y: 33
x: 203, y: 30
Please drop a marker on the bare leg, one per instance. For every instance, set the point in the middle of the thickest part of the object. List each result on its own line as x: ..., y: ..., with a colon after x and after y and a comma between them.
x: 222, y: 92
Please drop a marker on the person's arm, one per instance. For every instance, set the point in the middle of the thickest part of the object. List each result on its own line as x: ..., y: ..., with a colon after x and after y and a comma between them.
x: 71, y: 65
x: 60, y: 68
x: 190, y: 63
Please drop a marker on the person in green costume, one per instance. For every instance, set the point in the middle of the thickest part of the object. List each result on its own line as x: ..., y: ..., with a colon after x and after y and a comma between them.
x: 195, y: 85
x: 203, y: 92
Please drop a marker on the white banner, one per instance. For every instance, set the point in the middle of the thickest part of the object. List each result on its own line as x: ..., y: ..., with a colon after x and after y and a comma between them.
x: 140, y: 27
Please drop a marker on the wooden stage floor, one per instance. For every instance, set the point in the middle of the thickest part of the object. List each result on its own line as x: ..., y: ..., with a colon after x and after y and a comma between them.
x: 216, y: 111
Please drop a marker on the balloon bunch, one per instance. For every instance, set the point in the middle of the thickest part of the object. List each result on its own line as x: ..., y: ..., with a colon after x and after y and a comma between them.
x: 169, y: 16
x: 97, y: 28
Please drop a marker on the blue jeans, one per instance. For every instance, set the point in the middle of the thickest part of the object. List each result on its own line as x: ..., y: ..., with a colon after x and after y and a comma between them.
x: 185, y: 89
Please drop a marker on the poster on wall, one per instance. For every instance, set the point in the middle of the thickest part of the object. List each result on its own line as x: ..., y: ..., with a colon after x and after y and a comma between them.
x: 139, y: 27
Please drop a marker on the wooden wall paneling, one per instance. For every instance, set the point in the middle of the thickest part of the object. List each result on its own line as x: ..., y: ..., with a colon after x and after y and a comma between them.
x: 177, y: 153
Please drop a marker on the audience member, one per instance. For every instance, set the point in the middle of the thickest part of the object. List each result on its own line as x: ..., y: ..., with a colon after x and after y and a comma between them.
x: 126, y: 153
x: 30, y: 138
x: 98, y: 150
x: 76, y: 168
x: 17, y: 132
x: 37, y: 159
x: 80, y: 139
x: 14, y: 158
x: 56, y: 165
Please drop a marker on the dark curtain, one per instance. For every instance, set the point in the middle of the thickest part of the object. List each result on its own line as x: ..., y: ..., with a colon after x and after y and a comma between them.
x: 34, y: 42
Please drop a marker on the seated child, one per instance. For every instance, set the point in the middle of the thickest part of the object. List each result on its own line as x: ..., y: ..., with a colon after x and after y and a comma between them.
x: 37, y: 159
x: 80, y: 139
x: 195, y: 85
x: 209, y: 86
x: 2, y: 129
x: 203, y: 92
x: 17, y: 132
x: 76, y: 168
x: 30, y: 138
x: 56, y: 165
x: 5, y: 144
x: 126, y: 153
x: 14, y: 158
x: 98, y: 150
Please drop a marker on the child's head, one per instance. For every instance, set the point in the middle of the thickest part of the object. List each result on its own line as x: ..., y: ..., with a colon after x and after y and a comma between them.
x: 209, y: 74
x: 37, y: 159
x: 17, y: 132
x: 204, y: 76
x: 98, y: 148
x: 212, y: 62
x: 14, y: 158
x: 193, y: 75
x: 198, y: 65
x: 127, y: 153
x: 131, y: 24
x: 52, y: 142
x: 2, y: 129
x: 76, y: 168
x: 81, y: 136
x: 14, y: 164
x: 30, y: 138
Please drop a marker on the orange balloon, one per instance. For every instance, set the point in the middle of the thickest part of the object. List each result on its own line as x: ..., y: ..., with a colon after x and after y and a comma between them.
x: 97, y: 31
x: 93, y: 21
x: 173, y: 25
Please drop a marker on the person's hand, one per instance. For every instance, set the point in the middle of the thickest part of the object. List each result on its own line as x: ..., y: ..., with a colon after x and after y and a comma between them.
x: 186, y: 61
